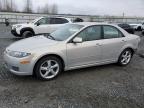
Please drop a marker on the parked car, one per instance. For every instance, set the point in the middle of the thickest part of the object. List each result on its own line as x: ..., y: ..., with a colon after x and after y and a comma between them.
x: 70, y: 47
x: 127, y: 27
x: 41, y: 25
x: 142, y: 32
x: 137, y: 27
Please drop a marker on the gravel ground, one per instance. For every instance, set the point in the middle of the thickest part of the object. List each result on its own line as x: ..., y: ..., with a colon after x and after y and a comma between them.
x: 108, y: 86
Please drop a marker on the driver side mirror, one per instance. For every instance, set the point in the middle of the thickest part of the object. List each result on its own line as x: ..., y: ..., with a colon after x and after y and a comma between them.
x: 77, y: 40
x: 38, y: 24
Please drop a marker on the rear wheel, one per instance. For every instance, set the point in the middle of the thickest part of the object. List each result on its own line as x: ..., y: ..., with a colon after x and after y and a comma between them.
x: 48, y: 68
x: 125, y: 57
x: 27, y: 34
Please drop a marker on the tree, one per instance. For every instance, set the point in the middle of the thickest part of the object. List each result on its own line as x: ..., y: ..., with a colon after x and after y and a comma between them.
x: 44, y: 9
x: 54, y: 9
x: 7, y: 6
x: 28, y: 6
x: 1, y: 8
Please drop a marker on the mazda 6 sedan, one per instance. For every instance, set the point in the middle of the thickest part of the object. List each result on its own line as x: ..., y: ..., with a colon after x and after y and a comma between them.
x: 72, y: 46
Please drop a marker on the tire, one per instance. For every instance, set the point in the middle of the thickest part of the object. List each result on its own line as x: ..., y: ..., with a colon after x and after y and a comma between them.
x: 142, y: 32
x: 27, y: 34
x: 123, y: 59
x: 48, y: 68
x: 139, y: 28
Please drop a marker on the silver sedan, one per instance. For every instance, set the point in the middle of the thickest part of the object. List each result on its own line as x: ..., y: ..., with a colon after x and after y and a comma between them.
x: 72, y: 46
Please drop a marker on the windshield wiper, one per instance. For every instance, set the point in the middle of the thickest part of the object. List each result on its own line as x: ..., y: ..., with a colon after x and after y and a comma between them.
x: 49, y: 36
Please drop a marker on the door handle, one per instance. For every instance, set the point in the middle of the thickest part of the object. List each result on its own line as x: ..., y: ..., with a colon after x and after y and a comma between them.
x: 124, y: 41
x: 98, y: 44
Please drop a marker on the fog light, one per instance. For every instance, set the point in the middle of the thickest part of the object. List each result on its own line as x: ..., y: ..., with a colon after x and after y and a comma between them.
x: 15, y: 68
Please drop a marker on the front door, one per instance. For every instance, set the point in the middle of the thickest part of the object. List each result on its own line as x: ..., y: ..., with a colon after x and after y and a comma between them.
x: 42, y: 26
x: 89, y: 51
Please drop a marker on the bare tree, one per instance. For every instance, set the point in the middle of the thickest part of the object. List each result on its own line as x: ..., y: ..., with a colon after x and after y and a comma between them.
x: 1, y: 8
x: 28, y: 6
x: 46, y: 9
x: 54, y: 9
x: 38, y: 9
x: 8, y: 6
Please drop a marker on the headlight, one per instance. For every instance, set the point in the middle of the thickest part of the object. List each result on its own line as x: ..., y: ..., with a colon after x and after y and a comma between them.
x: 18, y: 54
x: 16, y: 26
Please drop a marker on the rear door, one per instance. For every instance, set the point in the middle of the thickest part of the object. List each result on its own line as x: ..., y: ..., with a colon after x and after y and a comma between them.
x: 55, y: 23
x: 113, y: 41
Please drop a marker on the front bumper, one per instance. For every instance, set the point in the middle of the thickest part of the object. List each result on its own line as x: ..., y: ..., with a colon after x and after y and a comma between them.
x: 13, y: 31
x: 14, y: 66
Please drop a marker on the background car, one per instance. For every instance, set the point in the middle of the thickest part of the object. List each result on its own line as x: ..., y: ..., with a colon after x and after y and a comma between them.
x: 38, y: 26
x: 142, y: 32
x: 137, y: 27
x: 127, y: 27
x: 70, y: 47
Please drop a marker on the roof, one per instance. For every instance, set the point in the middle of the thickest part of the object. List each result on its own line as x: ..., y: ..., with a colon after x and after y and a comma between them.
x: 86, y: 24
x: 92, y: 23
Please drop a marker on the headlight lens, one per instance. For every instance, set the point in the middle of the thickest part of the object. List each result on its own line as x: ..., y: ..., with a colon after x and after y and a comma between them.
x: 16, y: 26
x: 18, y: 54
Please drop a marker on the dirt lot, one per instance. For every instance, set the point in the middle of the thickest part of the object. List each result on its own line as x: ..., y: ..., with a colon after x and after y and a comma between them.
x: 108, y: 86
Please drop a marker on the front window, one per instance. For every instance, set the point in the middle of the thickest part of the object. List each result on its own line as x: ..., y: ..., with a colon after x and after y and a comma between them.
x: 91, y: 33
x: 66, y: 31
x: 43, y: 21
x: 33, y: 21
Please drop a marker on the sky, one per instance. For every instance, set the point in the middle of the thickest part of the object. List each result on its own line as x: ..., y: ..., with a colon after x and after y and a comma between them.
x: 94, y: 7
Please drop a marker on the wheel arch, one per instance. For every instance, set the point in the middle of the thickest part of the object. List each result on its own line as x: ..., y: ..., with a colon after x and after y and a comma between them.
x: 128, y: 47
x: 46, y: 55
x: 26, y: 29
x: 133, y: 51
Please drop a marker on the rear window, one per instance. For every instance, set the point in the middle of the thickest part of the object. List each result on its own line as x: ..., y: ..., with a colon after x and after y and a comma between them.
x: 124, y: 25
x: 58, y: 21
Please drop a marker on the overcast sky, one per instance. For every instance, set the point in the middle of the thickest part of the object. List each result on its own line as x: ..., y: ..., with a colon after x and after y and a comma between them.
x: 95, y: 7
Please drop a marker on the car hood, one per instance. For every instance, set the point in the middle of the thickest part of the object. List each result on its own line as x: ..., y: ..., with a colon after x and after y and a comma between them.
x: 32, y: 43
x: 22, y: 24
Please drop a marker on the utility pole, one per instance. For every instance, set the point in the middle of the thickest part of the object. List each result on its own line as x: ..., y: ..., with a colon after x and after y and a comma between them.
x: 123, y: 16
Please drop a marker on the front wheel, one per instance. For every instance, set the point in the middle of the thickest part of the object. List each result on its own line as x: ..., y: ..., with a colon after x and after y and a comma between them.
x: 125, y: 57
x: 48, y: 68
x: 27, y: 34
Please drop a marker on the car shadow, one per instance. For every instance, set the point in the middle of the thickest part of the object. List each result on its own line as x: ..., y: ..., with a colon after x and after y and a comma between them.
x: 90, y: 69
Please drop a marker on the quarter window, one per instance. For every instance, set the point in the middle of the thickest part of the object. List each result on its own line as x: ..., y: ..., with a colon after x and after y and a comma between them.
x: 111, y: 32
x: 91, y: 33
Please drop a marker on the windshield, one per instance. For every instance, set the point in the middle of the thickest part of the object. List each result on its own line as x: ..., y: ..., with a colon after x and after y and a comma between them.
x: 66, y: 31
